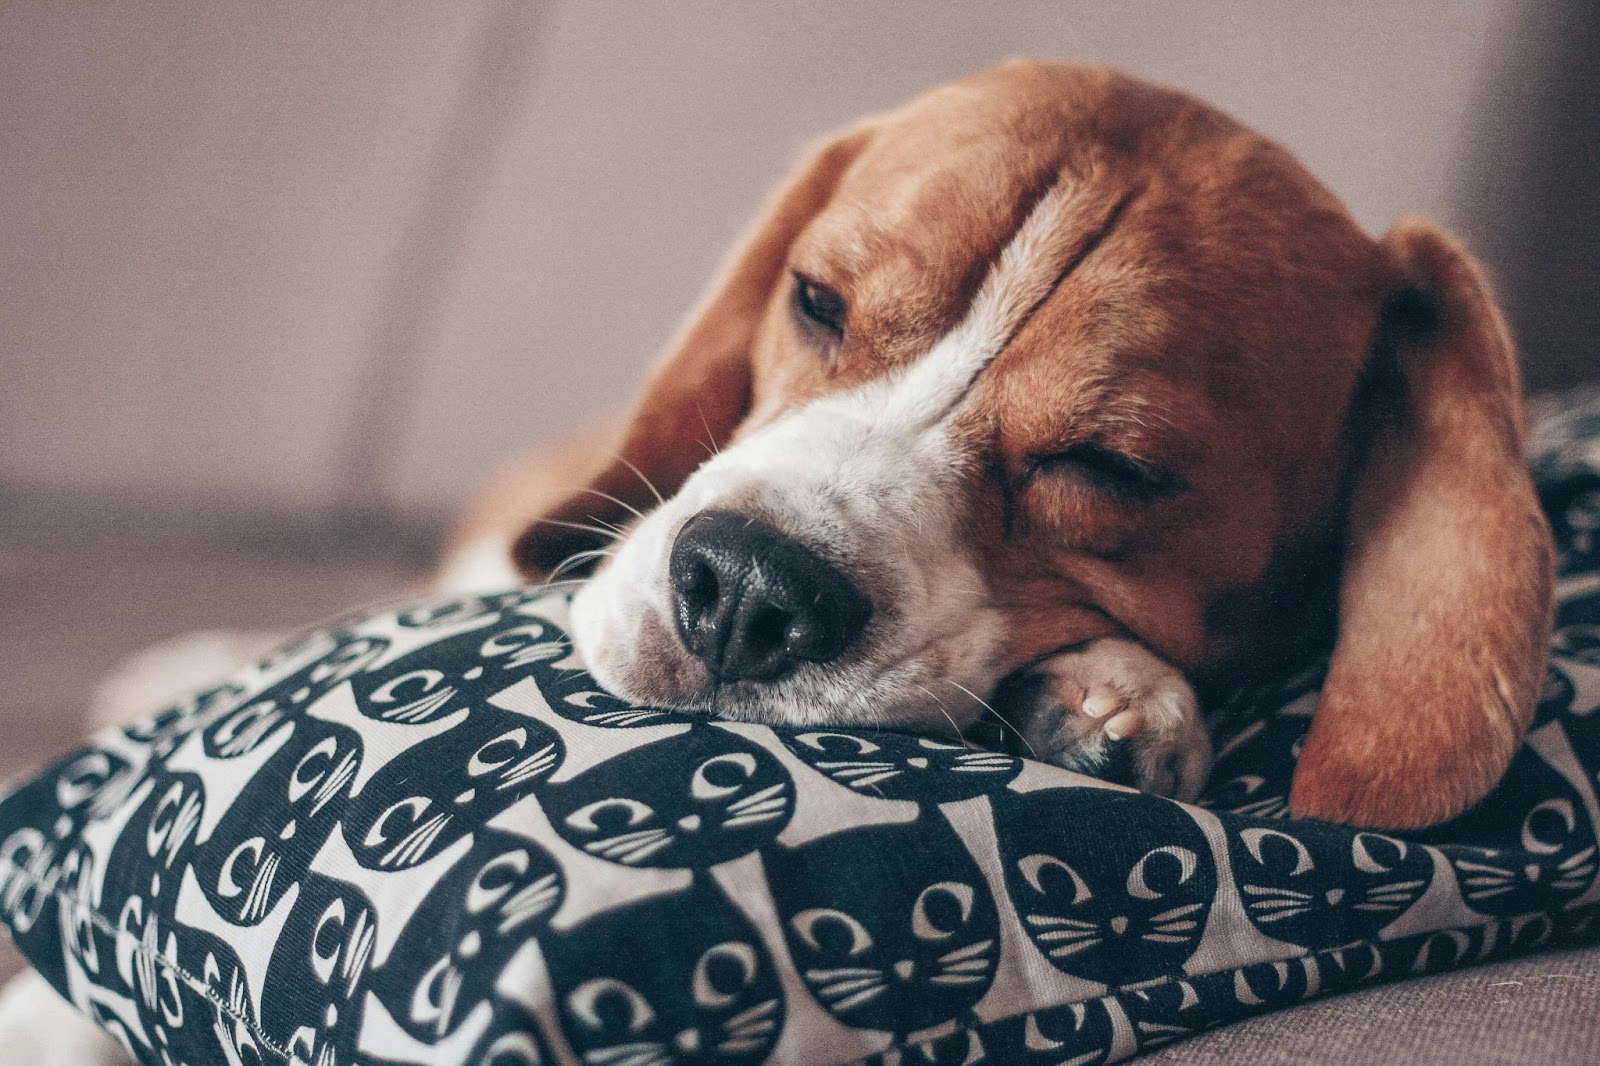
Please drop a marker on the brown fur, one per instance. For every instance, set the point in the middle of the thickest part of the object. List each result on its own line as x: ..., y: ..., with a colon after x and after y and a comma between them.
x: 1317, y: 390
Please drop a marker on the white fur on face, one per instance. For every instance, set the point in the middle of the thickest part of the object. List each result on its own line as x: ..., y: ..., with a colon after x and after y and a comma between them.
x: 873, y: 480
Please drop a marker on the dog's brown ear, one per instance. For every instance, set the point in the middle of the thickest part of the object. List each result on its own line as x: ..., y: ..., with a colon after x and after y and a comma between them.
x: 1445, y: 598
x: 700, y: 391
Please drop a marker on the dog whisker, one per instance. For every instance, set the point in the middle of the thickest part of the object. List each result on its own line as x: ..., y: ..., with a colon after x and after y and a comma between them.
x: 626, y: 506
x: 711, y: 438
x: 946, y: 713
x: 997, y: 715
x: 610, y: 532
x: 651, y: 485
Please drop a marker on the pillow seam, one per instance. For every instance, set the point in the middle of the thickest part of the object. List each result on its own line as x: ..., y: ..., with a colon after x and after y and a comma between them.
x: 101, y: 922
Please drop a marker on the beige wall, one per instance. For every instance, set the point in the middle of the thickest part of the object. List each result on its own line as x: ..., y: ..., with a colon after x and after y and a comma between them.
x: 299, y: 253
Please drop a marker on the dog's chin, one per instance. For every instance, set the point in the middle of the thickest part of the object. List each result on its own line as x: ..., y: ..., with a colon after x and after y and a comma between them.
x: 635, y: 654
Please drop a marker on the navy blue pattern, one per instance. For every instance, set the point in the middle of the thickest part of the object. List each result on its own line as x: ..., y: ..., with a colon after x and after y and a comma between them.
x: 424, y: 836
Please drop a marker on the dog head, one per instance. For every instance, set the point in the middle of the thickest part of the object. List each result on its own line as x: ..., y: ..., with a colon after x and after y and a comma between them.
x: 1050, y: 355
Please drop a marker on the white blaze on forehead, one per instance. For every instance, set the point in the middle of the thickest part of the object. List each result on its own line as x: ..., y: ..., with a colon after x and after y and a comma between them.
x: 864, y: 475
x: 1057, y: 232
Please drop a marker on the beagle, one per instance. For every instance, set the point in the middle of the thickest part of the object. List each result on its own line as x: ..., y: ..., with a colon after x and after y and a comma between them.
x: 1057, y: 377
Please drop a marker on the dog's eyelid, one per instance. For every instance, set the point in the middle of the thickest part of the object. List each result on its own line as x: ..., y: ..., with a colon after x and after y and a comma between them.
x: 1109, y: 470
x: 818, y: 307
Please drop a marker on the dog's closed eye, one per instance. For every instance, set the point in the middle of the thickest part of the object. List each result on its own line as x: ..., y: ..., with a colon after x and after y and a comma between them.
x: 1109, y: 472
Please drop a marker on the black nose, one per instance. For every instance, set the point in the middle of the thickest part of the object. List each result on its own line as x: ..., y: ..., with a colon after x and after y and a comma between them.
x: 753, y: 604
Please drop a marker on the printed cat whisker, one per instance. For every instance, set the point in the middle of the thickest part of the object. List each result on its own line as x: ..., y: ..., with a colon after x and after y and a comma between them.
x: 864, y: 996
x: 758, y: 1016
x: 752, y: 819
x: 1176, y: 912
x: 838, y: 989
x: 651, y: 1054
x: 740, y: 1045
x: 1072, y: 949
x: 1264, y: 890
x: 255, y: 904
x: 980, y: 948
x: 959, y: 978
x: 1256, y: 905
x: 631, y: 716
x: 416, y: 842
x: 1487, y: 893
x: 770, y: 792
x: 842, y: 971
x: 1037, y: 920
x: 332, y: 786
x: 1486, y: 882
x: 421, y: 708
x: 775, y: 804
x: 529, y: 903
x: 1576, y: 858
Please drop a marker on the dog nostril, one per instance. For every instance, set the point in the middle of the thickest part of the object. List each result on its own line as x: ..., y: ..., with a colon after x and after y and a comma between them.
x: 767, y: 630
x: 699, y: 586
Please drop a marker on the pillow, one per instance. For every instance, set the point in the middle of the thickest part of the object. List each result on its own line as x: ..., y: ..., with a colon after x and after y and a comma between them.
x: 425, y: 836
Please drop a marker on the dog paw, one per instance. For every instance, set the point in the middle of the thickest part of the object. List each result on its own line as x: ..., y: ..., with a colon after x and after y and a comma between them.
x: 1113, y: 701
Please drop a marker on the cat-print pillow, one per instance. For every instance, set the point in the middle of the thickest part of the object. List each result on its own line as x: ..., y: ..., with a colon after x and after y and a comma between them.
x: 425, y: 836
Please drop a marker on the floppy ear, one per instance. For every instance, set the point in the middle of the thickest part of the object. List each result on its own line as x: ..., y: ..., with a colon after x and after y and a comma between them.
x: 700, y: 391
x: 1445, y: 598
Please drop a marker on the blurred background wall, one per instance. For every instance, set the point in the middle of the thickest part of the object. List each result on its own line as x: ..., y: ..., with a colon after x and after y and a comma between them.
x: 328, y: 263
x: 282, y: 280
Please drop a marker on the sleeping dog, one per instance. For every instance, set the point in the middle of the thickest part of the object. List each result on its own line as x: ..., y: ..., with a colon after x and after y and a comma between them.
x: 1055, y: 374
x: 1063, y: 379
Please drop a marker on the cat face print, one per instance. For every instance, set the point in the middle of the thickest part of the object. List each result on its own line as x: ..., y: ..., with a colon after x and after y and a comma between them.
x: 693, y: 800
x: 1546, y: 856
x: 502, y: 892
x: 1320, y: 887
x: 890, y: 927
x: 705, y: 993
x: 1094, y: 897
x: 1079, y: 1034
x: 902, y: 766
x: 426, y: 798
